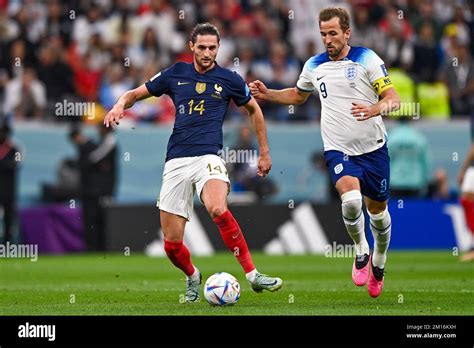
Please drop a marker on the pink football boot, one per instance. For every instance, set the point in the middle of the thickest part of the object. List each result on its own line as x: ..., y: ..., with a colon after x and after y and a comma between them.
x: 375, y: 284
x: 360, y: 270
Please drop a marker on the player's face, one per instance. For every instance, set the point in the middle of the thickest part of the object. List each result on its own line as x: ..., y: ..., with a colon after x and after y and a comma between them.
x: 205, y: 50
x: 334, y: 38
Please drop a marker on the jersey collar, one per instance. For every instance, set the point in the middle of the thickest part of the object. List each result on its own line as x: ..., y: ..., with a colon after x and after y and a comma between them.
x: 347, y: 57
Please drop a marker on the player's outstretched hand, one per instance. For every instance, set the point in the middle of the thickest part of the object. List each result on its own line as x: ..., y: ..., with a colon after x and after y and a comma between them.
x: 113, y: 117
x: 361, y: 112
x: 258, y: 89
x: 264, y: 165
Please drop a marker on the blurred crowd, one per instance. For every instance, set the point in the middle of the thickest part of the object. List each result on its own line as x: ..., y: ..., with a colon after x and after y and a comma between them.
x: 94, y: 50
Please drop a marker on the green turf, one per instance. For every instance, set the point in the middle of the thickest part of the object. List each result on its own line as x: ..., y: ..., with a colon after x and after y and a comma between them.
x: 417, y: 283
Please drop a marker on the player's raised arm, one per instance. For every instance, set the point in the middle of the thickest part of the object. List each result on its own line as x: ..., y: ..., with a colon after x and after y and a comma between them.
x: 287, y: 96
x: 258, y: 125
x: 124, y: 102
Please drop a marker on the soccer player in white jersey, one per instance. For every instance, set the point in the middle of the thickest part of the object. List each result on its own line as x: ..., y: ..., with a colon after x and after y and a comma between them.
x: 355, y: 91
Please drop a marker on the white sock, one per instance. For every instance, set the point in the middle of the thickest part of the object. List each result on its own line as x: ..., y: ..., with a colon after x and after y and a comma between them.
x: 251, y: 275
x: 381, y: 227
x: 195, y: 276
x: 354, y: 220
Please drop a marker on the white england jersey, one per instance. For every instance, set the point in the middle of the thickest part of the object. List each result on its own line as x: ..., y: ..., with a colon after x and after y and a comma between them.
x: 360, y: 78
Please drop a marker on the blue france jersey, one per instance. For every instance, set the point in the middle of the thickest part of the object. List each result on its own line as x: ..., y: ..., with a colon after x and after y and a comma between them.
x: 201, y: 102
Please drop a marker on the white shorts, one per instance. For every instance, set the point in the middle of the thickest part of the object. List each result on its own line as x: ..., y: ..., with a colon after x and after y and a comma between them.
x: 468, y: 182
x: 182, y: 177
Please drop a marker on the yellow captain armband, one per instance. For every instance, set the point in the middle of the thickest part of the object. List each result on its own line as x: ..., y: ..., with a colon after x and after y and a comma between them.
x: 382, y: 84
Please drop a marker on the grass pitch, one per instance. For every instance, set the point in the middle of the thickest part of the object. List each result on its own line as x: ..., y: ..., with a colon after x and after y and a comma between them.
x: 416, y: 283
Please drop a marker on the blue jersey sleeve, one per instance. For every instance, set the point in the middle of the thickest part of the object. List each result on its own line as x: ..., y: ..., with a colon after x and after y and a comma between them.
x: 240, y: 92
x: 159, y: 84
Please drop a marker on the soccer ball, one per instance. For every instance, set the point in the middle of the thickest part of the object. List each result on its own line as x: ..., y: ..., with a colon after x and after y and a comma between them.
x: 222, y: 289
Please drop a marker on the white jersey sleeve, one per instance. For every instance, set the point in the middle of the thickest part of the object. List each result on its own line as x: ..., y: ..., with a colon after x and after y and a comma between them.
x: 377, y: 73
x: 304, y: 82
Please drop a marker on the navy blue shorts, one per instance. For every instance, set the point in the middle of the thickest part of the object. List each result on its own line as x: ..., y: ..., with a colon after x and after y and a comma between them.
x: 372, y: 169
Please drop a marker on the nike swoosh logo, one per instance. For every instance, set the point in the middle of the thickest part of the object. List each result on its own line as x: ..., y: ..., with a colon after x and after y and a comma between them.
x: 274, y: 283
x: 182, y: 83
x: 319, y: 78
x: 234, y: 237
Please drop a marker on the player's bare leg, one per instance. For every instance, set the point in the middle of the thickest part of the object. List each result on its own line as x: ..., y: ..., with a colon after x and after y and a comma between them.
x: 467, y: 201
x: 353, y: 216
x: 381, y: 226
x: 214, y: 197
x: 173, y: 231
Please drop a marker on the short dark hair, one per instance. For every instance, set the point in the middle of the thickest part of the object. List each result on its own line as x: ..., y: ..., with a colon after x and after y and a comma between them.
x: 204, y: 29
x: 331, y: 12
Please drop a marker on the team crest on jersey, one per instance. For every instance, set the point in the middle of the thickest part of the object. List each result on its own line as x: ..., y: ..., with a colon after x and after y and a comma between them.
x: 217, y: 91
x: 200, y: 87
x: 351, y: 72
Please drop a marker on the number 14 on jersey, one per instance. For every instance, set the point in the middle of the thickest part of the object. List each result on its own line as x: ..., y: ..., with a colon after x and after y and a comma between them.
x: 198, y: 107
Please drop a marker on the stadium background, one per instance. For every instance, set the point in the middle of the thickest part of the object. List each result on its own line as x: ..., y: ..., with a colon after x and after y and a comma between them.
x: 92, y: 51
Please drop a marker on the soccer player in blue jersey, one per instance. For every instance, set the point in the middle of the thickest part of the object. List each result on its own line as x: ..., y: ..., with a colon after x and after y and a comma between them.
x: 201, y: 92
x: 355, y: 90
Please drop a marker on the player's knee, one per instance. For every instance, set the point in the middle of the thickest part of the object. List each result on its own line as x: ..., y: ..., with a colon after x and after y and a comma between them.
x: 172, y: 226
x: 172, y: 234
x: 351, y: 205
x: 378, y: 214
x: 376, y: 208
x: 216, y: 210
x: 347, y: 184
